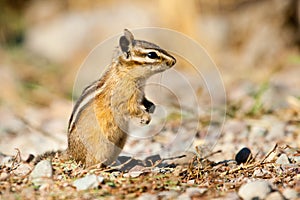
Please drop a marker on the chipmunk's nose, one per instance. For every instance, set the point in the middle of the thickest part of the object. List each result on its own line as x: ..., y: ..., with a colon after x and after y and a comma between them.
x: 171, y: 62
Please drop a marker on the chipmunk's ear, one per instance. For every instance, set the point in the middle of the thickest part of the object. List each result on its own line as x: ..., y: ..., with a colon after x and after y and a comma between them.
x: 126, y: 42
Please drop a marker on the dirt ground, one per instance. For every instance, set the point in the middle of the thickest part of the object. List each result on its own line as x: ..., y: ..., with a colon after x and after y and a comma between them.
x: 246, y: 96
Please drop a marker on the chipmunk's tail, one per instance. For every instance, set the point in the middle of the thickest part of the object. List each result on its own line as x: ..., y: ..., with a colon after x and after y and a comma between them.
x: 49, y: 155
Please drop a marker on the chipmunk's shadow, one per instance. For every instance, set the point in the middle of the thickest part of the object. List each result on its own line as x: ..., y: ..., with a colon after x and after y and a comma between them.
x: 126, y: 163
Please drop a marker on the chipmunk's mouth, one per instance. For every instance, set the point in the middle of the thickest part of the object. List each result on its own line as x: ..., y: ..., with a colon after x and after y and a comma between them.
x: 160, y: 68
x: 163, y: 67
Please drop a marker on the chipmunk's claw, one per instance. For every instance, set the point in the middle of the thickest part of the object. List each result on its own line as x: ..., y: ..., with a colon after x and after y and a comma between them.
x: 146, y: 118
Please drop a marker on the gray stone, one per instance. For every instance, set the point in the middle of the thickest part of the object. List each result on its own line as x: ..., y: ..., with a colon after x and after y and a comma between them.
x: 275, y: 196
x: 42, y: 173
x: 88, y: 182
x: 255, y: 189
x: 282, y: 160
x: 291, y: 194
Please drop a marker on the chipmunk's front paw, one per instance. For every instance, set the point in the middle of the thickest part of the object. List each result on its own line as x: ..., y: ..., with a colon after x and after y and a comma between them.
x: 145, y: 119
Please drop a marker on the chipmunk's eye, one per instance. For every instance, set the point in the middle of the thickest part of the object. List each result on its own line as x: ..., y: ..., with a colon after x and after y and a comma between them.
x: 152, y: 55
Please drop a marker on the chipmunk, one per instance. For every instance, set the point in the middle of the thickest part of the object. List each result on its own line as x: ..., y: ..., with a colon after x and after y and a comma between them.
x: 98, y: 125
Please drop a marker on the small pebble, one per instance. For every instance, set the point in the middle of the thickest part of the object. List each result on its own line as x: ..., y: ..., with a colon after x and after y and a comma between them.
x: 191, y: 182
x: 260, y: 173
x: 282, y: 160
x: 4, y: 176
x: 88, y: 182
x: 22, y: 170
x: 133, y: 174
x: 42, y: 173
x: 195, y: 192
x: 243, y: 155
x: 255, y: 190
x: 136, y: 171
x: 297, y: 159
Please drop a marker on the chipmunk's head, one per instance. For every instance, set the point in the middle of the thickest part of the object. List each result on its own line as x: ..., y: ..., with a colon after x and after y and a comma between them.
x: 143, y: 57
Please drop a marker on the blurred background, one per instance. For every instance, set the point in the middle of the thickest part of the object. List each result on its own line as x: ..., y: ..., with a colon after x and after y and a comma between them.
x: 254, y: 43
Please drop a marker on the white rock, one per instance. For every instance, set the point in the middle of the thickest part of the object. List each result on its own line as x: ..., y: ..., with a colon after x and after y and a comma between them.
x: 42, y: 172
x: 191, y: 182
x: 291, y: 194
x: 88, y: 182
x: 255, y: 189
x: 282, y: 160
x: 194, y: 191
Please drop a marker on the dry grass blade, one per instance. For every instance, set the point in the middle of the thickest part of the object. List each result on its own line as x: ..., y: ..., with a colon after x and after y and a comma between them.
x: 269, y: 153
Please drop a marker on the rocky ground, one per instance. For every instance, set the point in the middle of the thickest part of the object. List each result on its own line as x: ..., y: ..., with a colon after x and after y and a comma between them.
x: 190, y: 150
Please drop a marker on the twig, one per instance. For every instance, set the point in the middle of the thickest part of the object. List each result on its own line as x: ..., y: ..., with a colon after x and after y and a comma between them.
x: 172, y: 158
x: 211, y: 154
x: 241, y: 167
x: 269, y: 153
